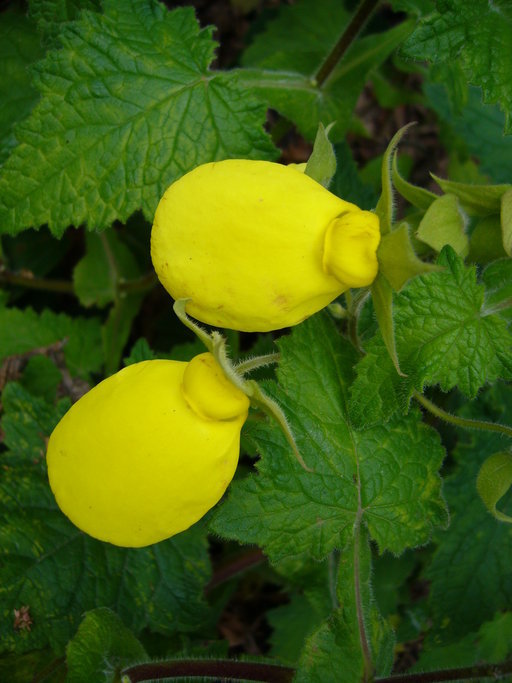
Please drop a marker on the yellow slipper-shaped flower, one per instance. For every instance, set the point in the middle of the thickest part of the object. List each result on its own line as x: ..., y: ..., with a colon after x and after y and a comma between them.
x: 148, y: 451
x: 258, y: 246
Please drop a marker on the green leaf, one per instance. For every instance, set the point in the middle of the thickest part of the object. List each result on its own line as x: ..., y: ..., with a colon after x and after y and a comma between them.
x: 283, y: 78
x: 493, y: 481
x: 51, y: 15
x: 397, y: 259
x: 107, y: 260
x: 338, y: 645
x: 470, y: 577
x: 23, y: 668
x: 481, y: 128
x: 321, y: 164
x: 45, y: 561
x: 19, y: 49
x: 25, y: 330
x: 477, y: 33
x: 116, y: 331
x: 101, y: 647
x: 140, y: 351
x: 443, y: 223
x: 347, y: 182
x: 486, y: 241
x: 444, y: 335
x: 417, y: 196
x: 123, y: 103
x: 498, y: 287
x: 356, y: 475
x: 477, y: 200
x: 299, y: 37
x: 506, y: 221
x: 41, y: 377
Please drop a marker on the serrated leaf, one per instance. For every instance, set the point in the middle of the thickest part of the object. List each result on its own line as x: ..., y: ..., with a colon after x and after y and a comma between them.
x: 444, y: 335
x: 19, y: 49
x: 45, y: 561
x: 50, y: 15
x: 338, y: 645
x: 481, y: 128
x: 24, y: 330
x: 493, y: 481
x: 123, y: 104
x: 443, y: 223
x: 356, y: 475
x: 101, y: 647
x: 479, y: 34
x: 321, y: 165
x: 397, y: 259
x: 470, y: 577
x: 477, y: 200
x: 283, y: 78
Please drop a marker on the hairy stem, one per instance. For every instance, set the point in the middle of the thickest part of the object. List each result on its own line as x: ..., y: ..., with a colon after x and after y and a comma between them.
x: 223, y: 669
x: 365, y: 647
x: 245, y: 366
x: 464, y: 422
x: 363, y: 13
x: 468, y: 673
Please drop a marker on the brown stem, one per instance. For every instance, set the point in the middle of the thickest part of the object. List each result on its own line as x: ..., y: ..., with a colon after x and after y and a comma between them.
x: 139, y: 284
x: 363, y: 13
x: 223, y: 669
x: 463, y: 674
x: 239, y: 564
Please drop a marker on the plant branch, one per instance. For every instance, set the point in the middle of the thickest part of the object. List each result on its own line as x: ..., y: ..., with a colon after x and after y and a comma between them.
x: 365, y: 648
x: 223, y: 669
x: 468, y: 673
x: 363, y: 13
x: 29, y: 281
x: 464, y: 422
x: 246, y: 561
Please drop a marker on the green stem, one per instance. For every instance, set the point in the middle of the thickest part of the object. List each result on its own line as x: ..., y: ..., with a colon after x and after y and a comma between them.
x: 179, y: 308
x: 365, y: 647
x: 363, y: 13
x: 246, y: 366
x: 501, y: 306
x: 464, y: 422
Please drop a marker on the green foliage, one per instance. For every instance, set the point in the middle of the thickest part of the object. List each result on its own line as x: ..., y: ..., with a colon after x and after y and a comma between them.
x: 479, y: 34
x: 47, y: 561
x: 104, y: 109
x: 355, y: 478
x: 101, y: 647
x: 444, y: 335
x: 393, y: 550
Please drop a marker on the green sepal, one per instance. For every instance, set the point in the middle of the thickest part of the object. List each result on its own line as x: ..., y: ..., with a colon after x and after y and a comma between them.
x: 382, y: 295
x: 321, y: 164
x: 417, y: 196
x: 477, y: 200
x: 397, y: 259
x: 443, y: 223
x: 506, y: 221
x: 384, y: 208
x: 486, y: 242
x: 493, y: 482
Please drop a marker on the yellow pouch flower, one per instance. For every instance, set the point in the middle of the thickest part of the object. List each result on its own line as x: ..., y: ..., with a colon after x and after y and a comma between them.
x: 258, y: 246
x: 148, y: 451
